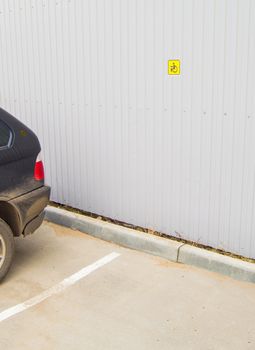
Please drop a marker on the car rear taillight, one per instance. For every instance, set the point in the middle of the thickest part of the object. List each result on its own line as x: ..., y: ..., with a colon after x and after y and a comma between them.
x: 39, y: 170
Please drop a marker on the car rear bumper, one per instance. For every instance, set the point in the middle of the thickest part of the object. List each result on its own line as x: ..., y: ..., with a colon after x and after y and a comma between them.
x: 33, y: 224
x: 30, y: 208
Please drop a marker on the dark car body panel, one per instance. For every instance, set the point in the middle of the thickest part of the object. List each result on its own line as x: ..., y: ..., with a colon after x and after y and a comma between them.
x: 22, y: 198
x: 30, y: 207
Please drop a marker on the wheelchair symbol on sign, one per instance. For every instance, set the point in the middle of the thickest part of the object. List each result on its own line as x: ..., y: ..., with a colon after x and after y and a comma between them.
x: 174, y: 67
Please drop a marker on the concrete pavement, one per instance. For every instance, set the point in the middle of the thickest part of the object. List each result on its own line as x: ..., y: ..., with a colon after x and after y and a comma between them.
x: 137, y: 301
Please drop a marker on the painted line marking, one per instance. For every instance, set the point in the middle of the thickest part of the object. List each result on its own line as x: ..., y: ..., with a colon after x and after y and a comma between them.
x: 58, y: 288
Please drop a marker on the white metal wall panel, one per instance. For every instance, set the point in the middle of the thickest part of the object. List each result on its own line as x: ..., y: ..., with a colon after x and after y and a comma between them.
x: 121, y: 137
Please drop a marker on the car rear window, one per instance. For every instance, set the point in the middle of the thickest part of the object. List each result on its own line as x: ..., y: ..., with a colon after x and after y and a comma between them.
x: 5, y: 135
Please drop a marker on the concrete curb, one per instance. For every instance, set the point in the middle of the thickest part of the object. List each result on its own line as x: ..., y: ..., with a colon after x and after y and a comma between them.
x: 114, y: 233
x: 165, y: 248
x: 216, y: 262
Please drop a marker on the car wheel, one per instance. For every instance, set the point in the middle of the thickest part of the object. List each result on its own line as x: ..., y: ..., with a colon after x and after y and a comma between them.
x: 6, y: 248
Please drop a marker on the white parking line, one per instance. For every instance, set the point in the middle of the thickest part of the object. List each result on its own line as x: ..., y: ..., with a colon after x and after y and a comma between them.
x: 58, y: 288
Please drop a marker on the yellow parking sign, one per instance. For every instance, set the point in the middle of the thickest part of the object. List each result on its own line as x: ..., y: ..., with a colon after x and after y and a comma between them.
x: 174, y: 67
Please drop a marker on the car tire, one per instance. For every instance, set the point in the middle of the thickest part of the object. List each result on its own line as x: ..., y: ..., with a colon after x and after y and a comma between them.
x: 6, y: 248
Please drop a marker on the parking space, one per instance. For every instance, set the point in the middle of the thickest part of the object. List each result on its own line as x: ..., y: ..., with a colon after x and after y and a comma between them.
x: 130, y: 301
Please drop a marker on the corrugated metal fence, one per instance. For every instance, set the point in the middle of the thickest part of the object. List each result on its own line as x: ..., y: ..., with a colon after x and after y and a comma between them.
x: 120, y: 136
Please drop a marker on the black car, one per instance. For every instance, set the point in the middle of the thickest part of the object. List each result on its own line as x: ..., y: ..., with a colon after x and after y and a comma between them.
x: 23, y: 195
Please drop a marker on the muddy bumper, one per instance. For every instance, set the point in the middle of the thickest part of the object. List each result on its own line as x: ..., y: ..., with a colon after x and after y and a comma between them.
x: 30, y: 208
